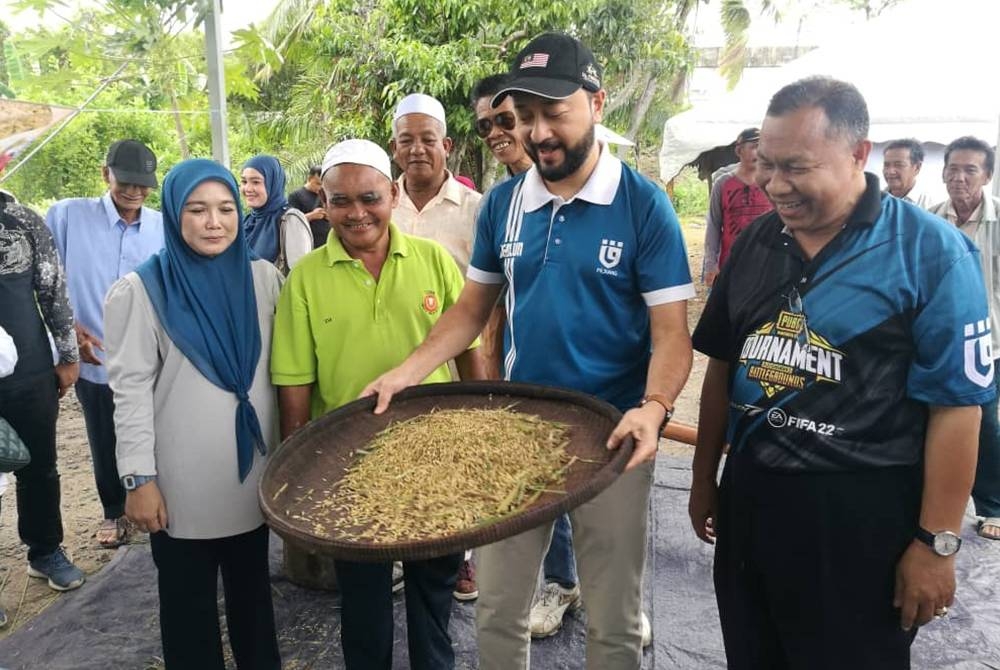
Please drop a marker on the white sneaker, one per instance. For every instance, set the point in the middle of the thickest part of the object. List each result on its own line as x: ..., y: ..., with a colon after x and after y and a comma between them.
x: 548, y: 611
x: 397, y: 577
x: 647, y: 631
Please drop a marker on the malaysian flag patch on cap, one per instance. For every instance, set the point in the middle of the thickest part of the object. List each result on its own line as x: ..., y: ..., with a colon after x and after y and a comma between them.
x: 535, y: 60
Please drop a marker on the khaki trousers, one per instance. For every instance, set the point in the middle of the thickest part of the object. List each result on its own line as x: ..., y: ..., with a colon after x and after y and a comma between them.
x: 609, y: 538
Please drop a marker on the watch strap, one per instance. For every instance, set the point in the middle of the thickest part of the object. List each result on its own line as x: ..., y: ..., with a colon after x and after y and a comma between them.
x: 925, y: 536
x: 660, y: 399
x: 132, y: 482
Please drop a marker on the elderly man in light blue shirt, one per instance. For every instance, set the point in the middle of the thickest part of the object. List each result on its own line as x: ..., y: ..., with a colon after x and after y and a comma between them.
x: 100, y: 240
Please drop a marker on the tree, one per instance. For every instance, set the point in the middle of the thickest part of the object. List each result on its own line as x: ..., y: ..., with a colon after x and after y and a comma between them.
x: 163, y: 83
x: 342, y: 71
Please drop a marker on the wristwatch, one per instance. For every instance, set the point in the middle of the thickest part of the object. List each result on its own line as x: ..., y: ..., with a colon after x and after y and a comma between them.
x: 662, y: 400
x: 942, y: 543
x: 132, y: 482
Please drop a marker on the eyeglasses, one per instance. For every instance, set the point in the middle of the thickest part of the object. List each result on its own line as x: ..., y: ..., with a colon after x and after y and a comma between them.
x: 503, y: 120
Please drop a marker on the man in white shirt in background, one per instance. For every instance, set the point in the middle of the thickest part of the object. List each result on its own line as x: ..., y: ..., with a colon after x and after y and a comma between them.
x: 901, y: 163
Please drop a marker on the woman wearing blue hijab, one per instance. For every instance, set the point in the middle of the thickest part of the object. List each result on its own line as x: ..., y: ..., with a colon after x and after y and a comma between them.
x: 188, y: 336
x: 275, y: 231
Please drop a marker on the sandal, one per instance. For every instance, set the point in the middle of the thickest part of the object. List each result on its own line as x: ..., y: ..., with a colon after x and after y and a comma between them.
x: 113, y: 533
x: 993, y: 523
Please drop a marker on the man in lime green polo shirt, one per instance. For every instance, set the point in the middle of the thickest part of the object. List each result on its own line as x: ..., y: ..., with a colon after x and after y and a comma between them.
x: 350, y: 311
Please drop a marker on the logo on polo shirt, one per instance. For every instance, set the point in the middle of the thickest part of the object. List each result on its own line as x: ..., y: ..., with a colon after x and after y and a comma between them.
x: 979, y: 353
x: 786, y: 354
x: 511, y: 250
x: 430, y: 303
x: 610, y: 254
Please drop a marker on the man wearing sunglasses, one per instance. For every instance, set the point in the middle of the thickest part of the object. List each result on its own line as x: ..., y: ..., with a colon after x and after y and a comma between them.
x: 495, y: 125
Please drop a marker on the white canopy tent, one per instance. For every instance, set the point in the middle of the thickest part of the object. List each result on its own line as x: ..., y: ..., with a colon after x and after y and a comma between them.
x: 925, y: 67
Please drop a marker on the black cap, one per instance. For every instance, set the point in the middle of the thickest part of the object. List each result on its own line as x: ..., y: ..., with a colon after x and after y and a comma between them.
x: 748, y: 135
x: 553, y: 65
x: 131, y: 162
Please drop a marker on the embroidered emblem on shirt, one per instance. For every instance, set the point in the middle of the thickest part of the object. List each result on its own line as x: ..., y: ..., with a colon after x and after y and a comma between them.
x: 511, y: 250
x: 430, y: 303
x: 978, y: 353
x: 611, y: 253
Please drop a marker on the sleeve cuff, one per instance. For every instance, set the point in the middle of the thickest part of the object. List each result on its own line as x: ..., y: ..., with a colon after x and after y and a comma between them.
x: 283, y: 379
x: 483, y: 277
x: 137, y: 465
x: 667, y: 295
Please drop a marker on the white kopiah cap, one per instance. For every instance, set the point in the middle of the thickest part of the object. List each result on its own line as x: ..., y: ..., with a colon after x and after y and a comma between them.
x: 358, y: 152
x: 419, y: 103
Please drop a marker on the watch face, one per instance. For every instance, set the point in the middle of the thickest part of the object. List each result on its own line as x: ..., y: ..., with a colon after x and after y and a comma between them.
x: 946, y: 543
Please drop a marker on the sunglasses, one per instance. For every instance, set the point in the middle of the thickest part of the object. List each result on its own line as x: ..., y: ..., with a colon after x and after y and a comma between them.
x: 503, y: 120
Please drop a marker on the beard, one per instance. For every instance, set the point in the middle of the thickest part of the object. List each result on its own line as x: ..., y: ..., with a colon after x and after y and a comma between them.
x: 573, y: 156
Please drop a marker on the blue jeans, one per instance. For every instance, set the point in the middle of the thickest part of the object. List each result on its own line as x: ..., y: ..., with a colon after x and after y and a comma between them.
x: 560, y: 564
x: 986, y: 490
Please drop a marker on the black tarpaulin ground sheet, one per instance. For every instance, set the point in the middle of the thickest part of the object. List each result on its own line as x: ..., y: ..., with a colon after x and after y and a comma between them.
x: 111, y: 622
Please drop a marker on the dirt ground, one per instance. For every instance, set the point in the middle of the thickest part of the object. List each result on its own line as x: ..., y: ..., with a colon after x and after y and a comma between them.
x: 24, y: 597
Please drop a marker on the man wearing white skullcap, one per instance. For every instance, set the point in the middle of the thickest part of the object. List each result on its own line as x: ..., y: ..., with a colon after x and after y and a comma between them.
x: 435, y: 205
x: 350, y: 311
x: 432, y: 203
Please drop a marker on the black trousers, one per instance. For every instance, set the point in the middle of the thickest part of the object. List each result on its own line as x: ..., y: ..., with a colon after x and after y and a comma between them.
x: 805, y: 567
x: 31, y: 407
x: 98, y: 405
x: 187, y: 575
x: 366, y: 630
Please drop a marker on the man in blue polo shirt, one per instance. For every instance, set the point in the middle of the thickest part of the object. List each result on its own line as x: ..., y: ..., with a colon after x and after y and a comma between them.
x: 597, y: 280
x: 849, y: 345
x: 100, y: 240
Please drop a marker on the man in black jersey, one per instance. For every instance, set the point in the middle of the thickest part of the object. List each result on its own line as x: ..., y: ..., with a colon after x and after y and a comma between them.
x: 848, y: 338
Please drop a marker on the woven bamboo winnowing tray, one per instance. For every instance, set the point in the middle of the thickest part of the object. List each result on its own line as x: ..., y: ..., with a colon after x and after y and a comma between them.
x: 307, y: 465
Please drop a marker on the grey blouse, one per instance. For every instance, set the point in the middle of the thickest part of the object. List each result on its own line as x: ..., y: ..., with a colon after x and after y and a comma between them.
x: 172, y: 422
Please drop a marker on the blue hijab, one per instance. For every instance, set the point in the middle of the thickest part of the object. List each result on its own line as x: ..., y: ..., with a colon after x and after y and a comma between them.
x: 263, y: 225
x: 208, y: 306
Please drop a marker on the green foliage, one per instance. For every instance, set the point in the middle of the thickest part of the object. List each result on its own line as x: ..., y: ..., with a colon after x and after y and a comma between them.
x: 736, y: 24
x: 342, y: 71
x: 690, y: 193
